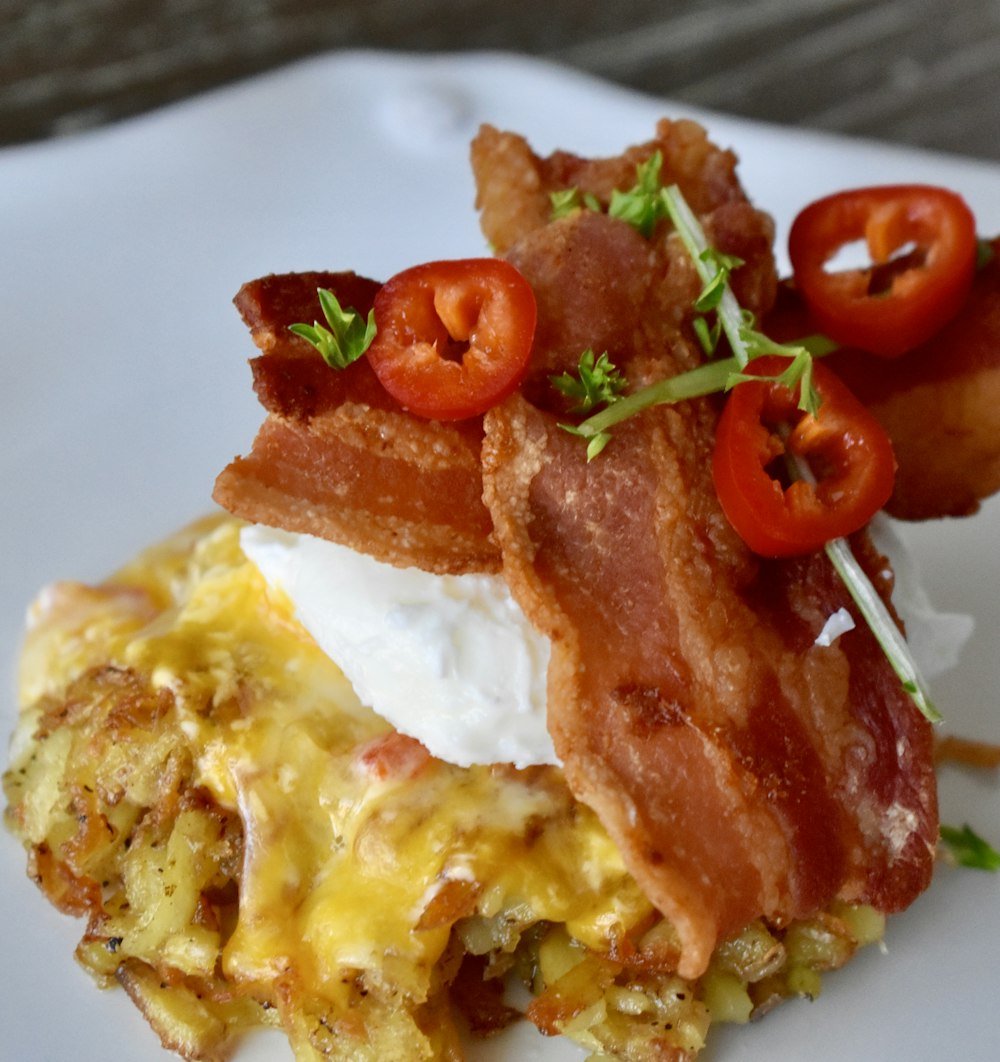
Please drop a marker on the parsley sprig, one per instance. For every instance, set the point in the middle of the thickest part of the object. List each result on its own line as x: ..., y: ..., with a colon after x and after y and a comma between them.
x: 968, y: 849
x: 348, y: 336
x: 568, y: 201
x: 641, y: 206
x: 597, y: 383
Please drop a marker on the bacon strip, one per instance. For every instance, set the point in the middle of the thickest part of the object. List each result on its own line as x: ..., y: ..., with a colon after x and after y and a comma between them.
x: 741, y: 769
x: 513, y: 187
x: 338, y: 458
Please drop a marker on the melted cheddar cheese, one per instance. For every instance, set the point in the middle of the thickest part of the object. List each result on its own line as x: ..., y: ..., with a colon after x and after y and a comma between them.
x: 252, y: 845
x: 348, y: 868
x: 339, y: 865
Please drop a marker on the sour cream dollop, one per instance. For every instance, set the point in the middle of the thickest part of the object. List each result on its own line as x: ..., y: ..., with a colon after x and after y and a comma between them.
x: 450, y: 660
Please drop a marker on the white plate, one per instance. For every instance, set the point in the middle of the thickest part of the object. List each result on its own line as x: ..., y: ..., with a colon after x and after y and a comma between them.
x: 125, y: 389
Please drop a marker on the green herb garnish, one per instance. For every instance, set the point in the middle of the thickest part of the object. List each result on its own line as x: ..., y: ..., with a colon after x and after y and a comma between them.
x: 348, y: 336
x: 883, y: 626
x: 641, y: 206
x: 745, y: 341
x: 798, y: 374
x: 569, y: 200
x: 720, y: 265
x: 968, y: 849
x: 597, y: 383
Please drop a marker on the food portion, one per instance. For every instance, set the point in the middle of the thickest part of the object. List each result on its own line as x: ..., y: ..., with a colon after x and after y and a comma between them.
x: 251, y: 846
x: 338, y: 458
x: 297, y: 767
x: 683, y: 688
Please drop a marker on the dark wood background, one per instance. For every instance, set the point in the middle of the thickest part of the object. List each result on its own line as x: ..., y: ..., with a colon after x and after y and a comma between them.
x: 919, y: 72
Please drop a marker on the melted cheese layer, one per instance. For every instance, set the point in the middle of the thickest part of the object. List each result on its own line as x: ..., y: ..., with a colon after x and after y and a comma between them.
x: 356, y: 859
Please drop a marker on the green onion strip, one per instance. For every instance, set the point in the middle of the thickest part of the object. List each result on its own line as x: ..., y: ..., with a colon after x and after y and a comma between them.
x: 882, y: 625
x: 690, y: 231
x: 873, y: 609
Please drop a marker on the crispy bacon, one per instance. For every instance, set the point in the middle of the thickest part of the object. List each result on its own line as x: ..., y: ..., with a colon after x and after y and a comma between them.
x: 514, y: 185
x: 338, y: 458
x: 741, y: 769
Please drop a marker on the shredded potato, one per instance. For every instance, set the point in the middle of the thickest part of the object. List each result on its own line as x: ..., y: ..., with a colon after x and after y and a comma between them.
x: 173, y: 714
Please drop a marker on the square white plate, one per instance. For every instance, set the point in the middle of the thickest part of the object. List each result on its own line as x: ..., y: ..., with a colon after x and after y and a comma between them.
x: 125, y: 390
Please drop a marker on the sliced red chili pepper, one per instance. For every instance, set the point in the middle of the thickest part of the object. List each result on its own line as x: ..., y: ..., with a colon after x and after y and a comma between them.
x: 890, y: 308
x: 848, y: 452
x: 454, y: 338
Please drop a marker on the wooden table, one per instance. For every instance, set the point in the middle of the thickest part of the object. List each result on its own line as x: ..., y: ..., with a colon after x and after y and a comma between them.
x: 920, y: 72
